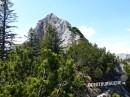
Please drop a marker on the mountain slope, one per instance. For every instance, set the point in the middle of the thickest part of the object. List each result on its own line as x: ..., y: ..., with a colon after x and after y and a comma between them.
x: 92, y: 61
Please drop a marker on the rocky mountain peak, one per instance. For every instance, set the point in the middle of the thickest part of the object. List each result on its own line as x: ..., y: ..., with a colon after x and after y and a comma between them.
x: 52, y: 16
x: 60, y: 25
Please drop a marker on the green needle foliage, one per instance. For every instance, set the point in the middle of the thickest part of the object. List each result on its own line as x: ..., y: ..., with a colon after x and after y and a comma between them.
x: 54, y: 73
x: 43, y: 68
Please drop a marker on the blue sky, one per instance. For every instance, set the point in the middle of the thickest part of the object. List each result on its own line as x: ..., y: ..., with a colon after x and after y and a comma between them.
x: 105, y: 22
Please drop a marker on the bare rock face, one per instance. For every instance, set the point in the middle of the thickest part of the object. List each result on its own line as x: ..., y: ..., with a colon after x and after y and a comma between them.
x: 60, y: 25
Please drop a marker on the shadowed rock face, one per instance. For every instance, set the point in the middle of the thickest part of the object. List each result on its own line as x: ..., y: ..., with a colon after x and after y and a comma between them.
x: 60, y: 25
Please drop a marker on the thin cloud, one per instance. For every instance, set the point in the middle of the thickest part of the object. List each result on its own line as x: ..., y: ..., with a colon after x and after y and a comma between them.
x: 87, y: 31
x: 128, y: 29
x: 115, y: 47
x: 19, y: 39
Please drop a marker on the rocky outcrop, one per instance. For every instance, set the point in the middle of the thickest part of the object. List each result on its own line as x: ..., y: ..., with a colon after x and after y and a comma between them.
x: 60, y: 25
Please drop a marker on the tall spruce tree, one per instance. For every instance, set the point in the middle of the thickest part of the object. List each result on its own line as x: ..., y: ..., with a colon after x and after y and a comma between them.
x: 52, y: 39
x: 6, y: 36
x: 34, y: 42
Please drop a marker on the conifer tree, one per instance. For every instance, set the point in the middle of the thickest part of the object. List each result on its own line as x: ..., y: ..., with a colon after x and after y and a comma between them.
x: 6, y: 36
x: 52, y: 39
x: 34, y: 42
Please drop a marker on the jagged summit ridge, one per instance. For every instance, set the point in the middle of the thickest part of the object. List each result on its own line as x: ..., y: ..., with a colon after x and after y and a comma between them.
x: 60, y: 25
